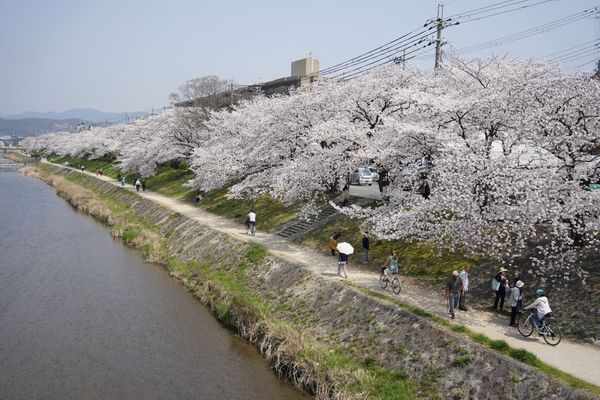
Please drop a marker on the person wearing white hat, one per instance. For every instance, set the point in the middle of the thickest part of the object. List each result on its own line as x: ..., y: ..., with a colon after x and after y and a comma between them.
x: 501, y: 290
x: 515, y: 296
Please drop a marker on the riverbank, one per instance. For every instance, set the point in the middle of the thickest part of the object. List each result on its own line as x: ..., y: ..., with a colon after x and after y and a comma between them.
x: 326, y: 336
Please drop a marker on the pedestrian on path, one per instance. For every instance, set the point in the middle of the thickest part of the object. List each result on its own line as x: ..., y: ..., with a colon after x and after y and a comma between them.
x: 82, y: 168
x: 464, y: 277
x: 345, y: 194
x: 517, y: 279
x: 365, y: 246
x: 100, y: 171
x: 342, y: 263
x: 123, y: 180
x: 138, y: 184
x: 515, y: 297
x: 453, y: 289
x: 143, y: 185
x: 501, y: 285
x: 97, y: 171
x: 333, y: 242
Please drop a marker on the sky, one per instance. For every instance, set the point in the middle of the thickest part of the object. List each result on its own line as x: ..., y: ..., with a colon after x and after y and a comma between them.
x: 118, y: 56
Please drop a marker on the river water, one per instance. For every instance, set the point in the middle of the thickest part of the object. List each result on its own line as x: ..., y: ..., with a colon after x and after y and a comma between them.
x: 83, y: 317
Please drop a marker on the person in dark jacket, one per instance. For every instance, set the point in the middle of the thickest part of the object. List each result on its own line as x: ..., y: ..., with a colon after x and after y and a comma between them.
x: 501, y: 291
x: 365, y: 246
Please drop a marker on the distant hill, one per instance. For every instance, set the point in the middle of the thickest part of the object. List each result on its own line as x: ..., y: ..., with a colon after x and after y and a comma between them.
x: 35, y: 126
x: 85, y: 114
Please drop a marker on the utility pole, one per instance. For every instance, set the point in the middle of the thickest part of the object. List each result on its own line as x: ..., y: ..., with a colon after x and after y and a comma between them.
x: 438, y: 42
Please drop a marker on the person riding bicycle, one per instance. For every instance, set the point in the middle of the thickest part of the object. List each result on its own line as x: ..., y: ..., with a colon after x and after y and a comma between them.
x: 542, y: 307
x: 391, y: 264
x: 251, y: 220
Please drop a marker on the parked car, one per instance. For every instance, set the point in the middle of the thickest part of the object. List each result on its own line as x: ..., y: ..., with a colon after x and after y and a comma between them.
x: 362, y: 176
x: 374, y: 173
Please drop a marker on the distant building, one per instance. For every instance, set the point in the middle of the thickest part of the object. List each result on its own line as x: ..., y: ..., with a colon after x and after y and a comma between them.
x: 304, y: 72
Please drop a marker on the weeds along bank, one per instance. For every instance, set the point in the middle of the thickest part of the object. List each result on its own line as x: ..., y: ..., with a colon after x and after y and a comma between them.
x: 325, y: 337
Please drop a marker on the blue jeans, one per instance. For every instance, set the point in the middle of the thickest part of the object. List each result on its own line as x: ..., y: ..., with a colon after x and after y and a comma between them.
x: 452, y: 302
x: 536, y: 320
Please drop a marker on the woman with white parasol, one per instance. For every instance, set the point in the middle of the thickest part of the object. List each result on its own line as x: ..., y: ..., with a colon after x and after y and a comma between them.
x: 345, y: 249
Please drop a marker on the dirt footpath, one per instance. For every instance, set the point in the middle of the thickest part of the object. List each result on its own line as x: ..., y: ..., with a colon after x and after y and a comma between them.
x: 578, y: 359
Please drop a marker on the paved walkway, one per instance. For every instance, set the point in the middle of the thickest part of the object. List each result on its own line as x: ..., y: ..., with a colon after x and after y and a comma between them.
x: 578, y: 359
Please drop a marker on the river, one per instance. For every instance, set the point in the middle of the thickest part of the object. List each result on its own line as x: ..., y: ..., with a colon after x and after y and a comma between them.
x: 83, y: 317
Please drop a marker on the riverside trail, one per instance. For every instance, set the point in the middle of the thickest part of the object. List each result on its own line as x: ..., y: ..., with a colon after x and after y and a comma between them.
x: 578, y: 359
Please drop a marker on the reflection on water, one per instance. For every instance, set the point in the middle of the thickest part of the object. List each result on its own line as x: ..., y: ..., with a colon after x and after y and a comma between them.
x: 82, y: 317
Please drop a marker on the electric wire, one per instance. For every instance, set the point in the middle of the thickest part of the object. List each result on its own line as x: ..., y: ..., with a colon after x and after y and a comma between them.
x: 531, y: 31
x: 469, y: 19
x: 384, y: 49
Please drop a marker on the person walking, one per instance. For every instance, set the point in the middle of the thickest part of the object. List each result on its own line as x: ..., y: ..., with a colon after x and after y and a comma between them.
x: 138, y: 184
x: 517, y: 279
x: 345, y: 194
x: 100, y: 171
x: 453, y: 289
x: 251, y: 218
x: 464, y: 277
x: 342, y: 263
x: 333, y: 242
x: 502, y: 284
x: 515, y: 297
x: 143, y: 185
x: 365, y: 246
x: 123, y: 180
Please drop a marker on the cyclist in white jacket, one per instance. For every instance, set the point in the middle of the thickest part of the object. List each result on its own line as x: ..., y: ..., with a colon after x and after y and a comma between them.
x: 542, y: 307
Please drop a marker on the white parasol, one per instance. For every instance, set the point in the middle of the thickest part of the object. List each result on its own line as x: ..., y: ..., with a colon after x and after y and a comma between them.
x: 345, y: 248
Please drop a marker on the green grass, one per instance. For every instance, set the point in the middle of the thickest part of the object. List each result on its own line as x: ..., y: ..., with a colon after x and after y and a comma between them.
x: 106, y: 164
x: 500, y: 346
x: 170, y: 180
x: 270, y: 213
x: 419, y: 259
x: 360, y: 377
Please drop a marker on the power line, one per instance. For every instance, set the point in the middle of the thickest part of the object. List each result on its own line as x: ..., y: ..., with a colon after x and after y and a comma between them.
x: 390, y: 46
x: 366, y: 68
x: 593, y: 60
x: 551, y: 55
x: 485, y: 8
x: 467, y: 19
x: 531, y: 31
x: 574, y: 54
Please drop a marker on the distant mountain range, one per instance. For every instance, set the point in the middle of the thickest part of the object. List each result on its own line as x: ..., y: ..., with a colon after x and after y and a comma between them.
x: 84, y: 114
x: 34, y: 126
x: 33, y: 123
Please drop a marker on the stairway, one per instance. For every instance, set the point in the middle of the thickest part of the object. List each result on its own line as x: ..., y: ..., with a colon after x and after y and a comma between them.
x: 299, y: 227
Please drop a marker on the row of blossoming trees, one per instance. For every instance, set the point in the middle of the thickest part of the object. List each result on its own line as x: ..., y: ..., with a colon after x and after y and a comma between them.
x: 508, y: 145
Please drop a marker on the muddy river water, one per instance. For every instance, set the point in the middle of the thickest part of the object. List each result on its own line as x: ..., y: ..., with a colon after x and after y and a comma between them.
x: 83, y: 317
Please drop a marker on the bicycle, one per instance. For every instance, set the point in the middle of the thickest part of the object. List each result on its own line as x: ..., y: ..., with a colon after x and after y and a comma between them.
x: 550, y: 330
x: 384, y: 280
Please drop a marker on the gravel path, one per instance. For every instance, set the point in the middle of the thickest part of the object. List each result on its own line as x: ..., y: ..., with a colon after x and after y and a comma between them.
x: 578, y: 359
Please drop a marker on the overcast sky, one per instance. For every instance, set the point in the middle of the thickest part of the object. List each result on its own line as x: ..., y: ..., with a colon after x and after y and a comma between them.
x: 129, y: 55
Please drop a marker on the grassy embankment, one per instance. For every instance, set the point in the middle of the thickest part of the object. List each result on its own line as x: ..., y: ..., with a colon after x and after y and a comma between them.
x: 170, y: 180
x: 499, y: 346
x: 419, y: 259
x: 298, y: 357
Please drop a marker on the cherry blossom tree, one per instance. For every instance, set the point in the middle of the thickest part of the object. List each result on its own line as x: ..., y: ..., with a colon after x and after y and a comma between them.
x: 508, y: 147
